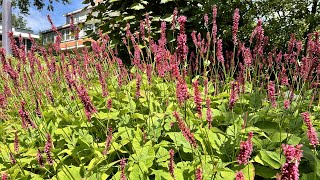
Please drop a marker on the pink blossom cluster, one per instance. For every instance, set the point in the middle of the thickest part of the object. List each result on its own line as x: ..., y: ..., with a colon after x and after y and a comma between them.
x: 40, y: 158
x: 290, y: 169
x: 199, y: 174
x: 271, y: 93
x: 3, y: 100
x: 182, y: 48
x: 219, y: 51
x: 197, y: 97
x: 181, y: 91
x: 12, y: 158
x: 312, y: 134
x: 138, y: 85
x: 171, y: 162
x: 108, y: 141
x: 48, y: 148
x: 185, y: 130
x: 233, y: 94
x: 4, y: 176
x: 209, y: 113
x: 25, y: 117
x: 235, y: 27
x: 214, y: 24
x: 239, y: 176
x: 102, y: 80
x: 246, y: 149
x: 122, y: 167
x: 16, y: 142
x: 86, y: 101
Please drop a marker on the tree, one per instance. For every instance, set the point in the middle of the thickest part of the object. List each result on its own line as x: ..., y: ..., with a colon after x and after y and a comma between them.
x: 280, y: 18
x: 18, y: 21
x: 286, y: 17
x: 24, y: 5
x: 113, y: 15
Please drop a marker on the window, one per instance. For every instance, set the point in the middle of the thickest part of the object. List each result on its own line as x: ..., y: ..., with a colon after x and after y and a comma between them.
x: 68, y: 33
x: 63, y: 34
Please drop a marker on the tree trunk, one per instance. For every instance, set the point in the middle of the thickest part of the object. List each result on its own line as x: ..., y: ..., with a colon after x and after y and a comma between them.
x: 6, y: 25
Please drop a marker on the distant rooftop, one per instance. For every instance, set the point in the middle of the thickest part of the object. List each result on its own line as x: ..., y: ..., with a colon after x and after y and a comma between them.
x: 20, y: 31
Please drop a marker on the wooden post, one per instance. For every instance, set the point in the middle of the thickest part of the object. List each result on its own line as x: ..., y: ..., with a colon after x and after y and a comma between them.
x: 6, y: 25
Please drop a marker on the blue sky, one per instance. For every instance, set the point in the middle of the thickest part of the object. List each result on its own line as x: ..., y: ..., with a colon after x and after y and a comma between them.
x: 37, y: 20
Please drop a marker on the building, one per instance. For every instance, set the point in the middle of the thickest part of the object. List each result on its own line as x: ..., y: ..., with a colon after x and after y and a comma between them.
x: 25, y: 34
x: 68, y: 36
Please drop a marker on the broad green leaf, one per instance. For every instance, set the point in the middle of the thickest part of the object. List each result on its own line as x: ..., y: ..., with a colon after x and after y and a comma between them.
x: 225, y: 174
x: 109, y: 115
x: 114, y: 14
x: 249, y: 171
x: 69, y: 172
x: 265, y: 171
x: 216, y: 140
x: 162, y: 155
x: 128, y: 18
x: 137, y: 116
x: 135, y: 172
x: 279, y: 137
x: 137, y: 6
x: 165, y: 1
x: 270, y: 158
x: 180, y: 140
x: 161, y: 174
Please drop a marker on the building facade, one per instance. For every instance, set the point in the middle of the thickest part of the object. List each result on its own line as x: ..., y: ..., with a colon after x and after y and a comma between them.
x: 24, y: 33
x: 68, y: 39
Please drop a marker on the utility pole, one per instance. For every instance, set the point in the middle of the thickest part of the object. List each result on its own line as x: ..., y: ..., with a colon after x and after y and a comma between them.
x: 6, y: 25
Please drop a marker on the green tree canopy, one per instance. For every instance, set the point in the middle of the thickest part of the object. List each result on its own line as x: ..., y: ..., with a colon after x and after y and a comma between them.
x: 18, y: 21
x: 24, y: 5
x: 280, y: 18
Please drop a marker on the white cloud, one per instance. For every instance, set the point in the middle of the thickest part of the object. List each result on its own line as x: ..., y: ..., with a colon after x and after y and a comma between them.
x: 36, y: 20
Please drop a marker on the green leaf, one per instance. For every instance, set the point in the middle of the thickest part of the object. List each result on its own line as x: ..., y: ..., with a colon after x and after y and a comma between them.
x: 137, y: 116
x: 216, y: 140
x: 114, y: 14
x: 69, y: 172
x: 165, y: 1
x: 180, y: 140
x: 162, y: 155
x: 279, y: 137
x: 110, y: 115
x: 249, y: 171
x: 270, y: 158
x: 265, y: 171
x: 137, y: 6
x: 160, y: 175
x: 135, y: 172
x: 128, y: 18
x: 225, y: 174
x: 144, y: 156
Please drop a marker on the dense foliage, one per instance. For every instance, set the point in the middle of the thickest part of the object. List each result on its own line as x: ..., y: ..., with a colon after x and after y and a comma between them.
x: 24, y: 5
x: 281, y: 17
x: 249, y: 114
x: 17, y: 21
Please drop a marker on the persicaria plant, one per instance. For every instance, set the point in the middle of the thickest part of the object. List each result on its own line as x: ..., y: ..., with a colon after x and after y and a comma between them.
x: 211, y: 110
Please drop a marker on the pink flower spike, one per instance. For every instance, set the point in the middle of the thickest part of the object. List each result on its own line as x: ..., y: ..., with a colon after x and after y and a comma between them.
x: 290, y: 169
x: 197, y: 98
x: 239, y: 176
x: 171, y: 163
x: 246, y: 149
x: 312, y: 134
x: 235, y: 27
